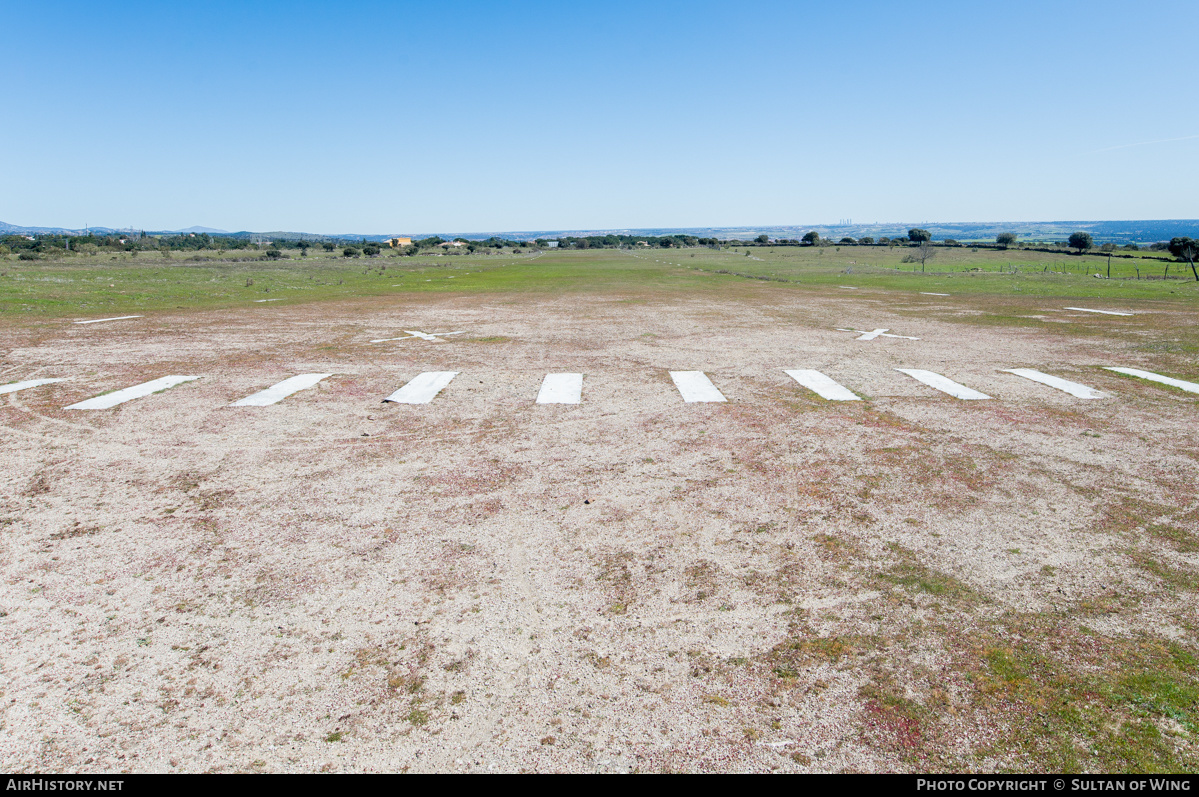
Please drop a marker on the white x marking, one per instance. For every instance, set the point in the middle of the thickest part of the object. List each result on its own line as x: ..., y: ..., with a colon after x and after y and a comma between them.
x: 412, y: 333
x: 876, y: 333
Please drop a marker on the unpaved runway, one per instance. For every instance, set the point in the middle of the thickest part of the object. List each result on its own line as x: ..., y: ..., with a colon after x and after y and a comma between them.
x: 630, y: 582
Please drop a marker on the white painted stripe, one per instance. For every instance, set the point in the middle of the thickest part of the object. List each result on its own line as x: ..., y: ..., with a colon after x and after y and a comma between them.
x: 1073, y: 388
x: 561, y: 389
x: 130, y: 393
x: 118, y: 318
x: 15, y: 386
x: 871, y: 335
x: 943, y: 384
x: 822, y: 386
x: 276, y: 393
x: 847, y: 287
x: 1089, y: 310
x: 926, y: 293
x: 1189, y: 387
x: 695, y: 386
x: 268, y: 300
x: 423, y: 388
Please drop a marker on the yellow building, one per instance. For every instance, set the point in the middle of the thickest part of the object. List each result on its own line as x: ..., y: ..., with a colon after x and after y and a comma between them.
x: 399, y: 241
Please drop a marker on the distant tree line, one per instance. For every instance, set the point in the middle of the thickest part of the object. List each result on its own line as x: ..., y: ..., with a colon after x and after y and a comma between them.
x: 36, y: 246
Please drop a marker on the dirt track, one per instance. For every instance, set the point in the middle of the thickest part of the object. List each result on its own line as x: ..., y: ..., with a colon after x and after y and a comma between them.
x: 630, y: 583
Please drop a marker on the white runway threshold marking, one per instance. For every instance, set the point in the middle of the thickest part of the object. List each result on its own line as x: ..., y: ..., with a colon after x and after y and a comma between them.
x: 695, y: 386
x: 130, y: 393
x: 821, y: 385
x: 1089, y: 310
x: 15, y: 386
x: 945, y: 385
x: 1189, y: 387
x: 1073, y: 388
x: 118, y: 318
x: 276, y: 393
x: 422, y: 388
x: 561, y: 389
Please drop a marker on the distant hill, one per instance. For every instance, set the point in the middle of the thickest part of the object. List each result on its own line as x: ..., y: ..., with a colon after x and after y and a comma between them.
x: 11, y: 229
x: 1143, y: 231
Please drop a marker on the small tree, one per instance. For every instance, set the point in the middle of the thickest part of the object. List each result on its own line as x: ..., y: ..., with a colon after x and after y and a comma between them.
x: 1080, y: 240
x: 1006, y: 239
x: 329, y: 246
x: 924, y: 253
x: 349, y: 251
x: 370, y: 250
x: 812, y: 238
x: 866, y: 240
x: 1186, y: 249
x: 847, y: 241
x: 916, y: 235
x: 763, y: 239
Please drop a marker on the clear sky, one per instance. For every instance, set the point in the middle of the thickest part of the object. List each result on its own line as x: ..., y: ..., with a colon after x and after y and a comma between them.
x: 344, y: 117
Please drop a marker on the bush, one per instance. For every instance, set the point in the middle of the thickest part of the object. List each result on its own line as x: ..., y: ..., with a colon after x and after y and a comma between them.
x: 28, y: 256
x: 370, y: 251
x: 349, y: 251
x: 274, y: 254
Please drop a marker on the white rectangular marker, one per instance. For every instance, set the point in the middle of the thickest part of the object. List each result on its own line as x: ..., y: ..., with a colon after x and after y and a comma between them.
x: 695, y: 386
x: 130, y: 393
x: 821, y: 385
x: 118, y: 318
x: 943, y: 384
x: 1073, y: 388
x: 561, y: 389
x: 1089, y: 310
x: 276, y: 393
x: 15, y: 386
x: 423, y: 388
x: 926, y: 293
x: 1189, y: 387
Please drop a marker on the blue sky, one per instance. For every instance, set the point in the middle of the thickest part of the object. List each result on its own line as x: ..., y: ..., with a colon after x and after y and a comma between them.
x: 468, y: 116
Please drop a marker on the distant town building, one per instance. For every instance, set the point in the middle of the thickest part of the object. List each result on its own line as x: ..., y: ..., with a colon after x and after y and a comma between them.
x: 398, y: 241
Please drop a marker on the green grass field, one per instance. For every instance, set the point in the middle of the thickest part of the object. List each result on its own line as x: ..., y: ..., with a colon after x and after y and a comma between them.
x: 84, y: 285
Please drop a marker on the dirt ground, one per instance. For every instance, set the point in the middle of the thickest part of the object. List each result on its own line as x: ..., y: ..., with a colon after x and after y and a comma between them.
x: 634, y: 583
